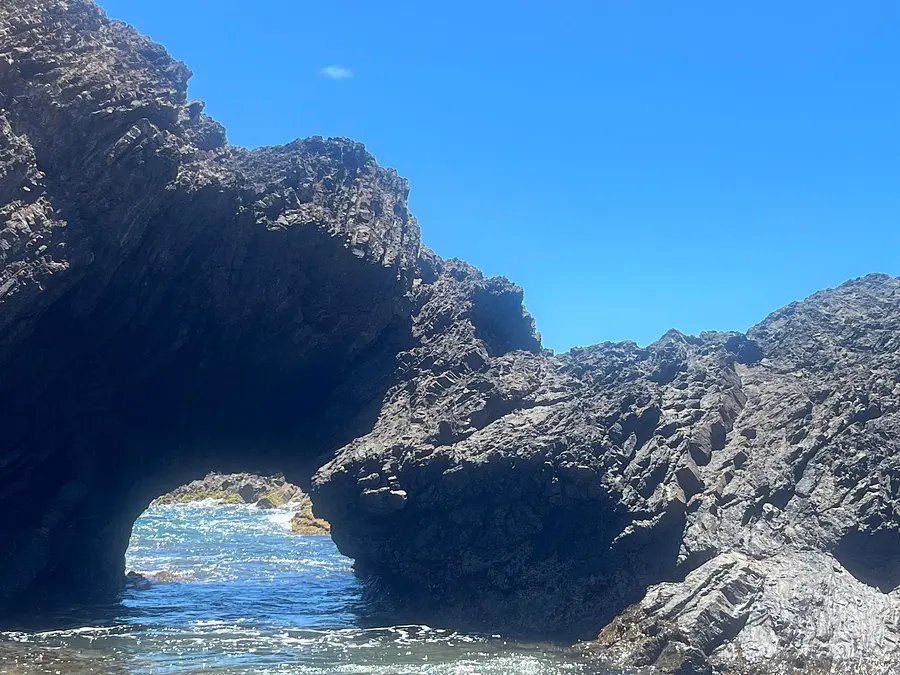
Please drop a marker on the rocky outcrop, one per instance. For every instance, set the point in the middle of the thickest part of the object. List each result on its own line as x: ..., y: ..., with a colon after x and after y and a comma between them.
x: 266, y: 492
x: 237, y: 488
x: 171, y: 305
x: 798, y: 530
x: 782, y: 614
x: 305, y: 520
x: 715, y: 502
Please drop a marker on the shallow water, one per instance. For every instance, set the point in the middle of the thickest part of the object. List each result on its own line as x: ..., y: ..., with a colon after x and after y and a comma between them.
x: 248, y: 596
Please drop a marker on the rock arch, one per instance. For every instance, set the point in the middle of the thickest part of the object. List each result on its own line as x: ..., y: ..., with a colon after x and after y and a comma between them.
x: 170, y: 304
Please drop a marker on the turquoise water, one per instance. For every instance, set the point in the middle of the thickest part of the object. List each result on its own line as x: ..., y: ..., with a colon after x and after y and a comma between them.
x: 245, y: 595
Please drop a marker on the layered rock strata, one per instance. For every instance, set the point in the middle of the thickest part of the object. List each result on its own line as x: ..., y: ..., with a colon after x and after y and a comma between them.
x: 721, y: 499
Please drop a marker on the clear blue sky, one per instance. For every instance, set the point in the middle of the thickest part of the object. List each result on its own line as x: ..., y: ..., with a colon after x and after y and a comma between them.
x: 635, y: 165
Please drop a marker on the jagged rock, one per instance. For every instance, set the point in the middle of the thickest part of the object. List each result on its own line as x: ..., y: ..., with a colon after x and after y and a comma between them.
x: 793, y: 506
x: 796, y: 612
x: 170, y: 305
x: 241, y: 488
x: 306, y: 522
x: 688, y: 477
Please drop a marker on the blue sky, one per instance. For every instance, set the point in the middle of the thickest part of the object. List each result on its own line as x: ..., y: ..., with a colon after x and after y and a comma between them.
x: 634, y: 165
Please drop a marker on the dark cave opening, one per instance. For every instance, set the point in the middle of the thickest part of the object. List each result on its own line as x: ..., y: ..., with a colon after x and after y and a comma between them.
x: 107, y: 410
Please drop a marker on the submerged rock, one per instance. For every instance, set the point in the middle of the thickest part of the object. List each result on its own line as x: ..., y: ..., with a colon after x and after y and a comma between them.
x: 142, y: 581
x: 137, y: 581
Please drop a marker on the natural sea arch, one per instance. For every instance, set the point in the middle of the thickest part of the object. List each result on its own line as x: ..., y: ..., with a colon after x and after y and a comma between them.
x: 171, y: 305
x: 208, y: 341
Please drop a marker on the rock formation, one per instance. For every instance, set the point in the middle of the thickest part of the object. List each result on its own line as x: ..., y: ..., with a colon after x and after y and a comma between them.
x: 235, y: 488
x: 171, y: 305
x: 306, y: 522
x: 732, y: 494
x: 266, y: 492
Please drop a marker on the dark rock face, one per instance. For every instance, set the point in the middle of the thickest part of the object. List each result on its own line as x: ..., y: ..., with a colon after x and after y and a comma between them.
x: 714, y: 501
x: 170, y: 305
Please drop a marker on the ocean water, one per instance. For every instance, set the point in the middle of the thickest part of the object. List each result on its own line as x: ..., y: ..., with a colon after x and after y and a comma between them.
x: 242, y: 594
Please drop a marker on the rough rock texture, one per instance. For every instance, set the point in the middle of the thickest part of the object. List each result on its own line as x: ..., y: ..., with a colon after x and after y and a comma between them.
x: 236, y: 488
x: 549, y: 493
x: 799, y: 518
x: 305, y: 520
x: 170, y: 305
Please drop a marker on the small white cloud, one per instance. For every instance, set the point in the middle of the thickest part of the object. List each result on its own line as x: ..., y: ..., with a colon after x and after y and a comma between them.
x: 337, y: 72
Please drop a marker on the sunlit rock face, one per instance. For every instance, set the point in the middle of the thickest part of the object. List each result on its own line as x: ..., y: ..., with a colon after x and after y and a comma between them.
x: 172, y: 305
x: 735, y: 492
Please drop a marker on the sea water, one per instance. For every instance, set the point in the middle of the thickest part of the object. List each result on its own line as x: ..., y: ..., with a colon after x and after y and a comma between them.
x: 240, y: 593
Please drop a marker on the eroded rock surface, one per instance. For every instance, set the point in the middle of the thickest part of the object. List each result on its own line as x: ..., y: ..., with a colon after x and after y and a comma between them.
x: 305, y: 520
x: 236, y: 488
x: 170, y: 305
x: 549, y: 493
x: 804, y: 510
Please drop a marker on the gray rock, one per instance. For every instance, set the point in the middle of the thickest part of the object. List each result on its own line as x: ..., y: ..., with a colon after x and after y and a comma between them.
x: 137, y: 581
x: 570, y: 512
x: 244, y: 488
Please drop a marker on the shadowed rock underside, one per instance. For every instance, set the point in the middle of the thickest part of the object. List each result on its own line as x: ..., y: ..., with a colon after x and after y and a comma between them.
x: 171, y: 305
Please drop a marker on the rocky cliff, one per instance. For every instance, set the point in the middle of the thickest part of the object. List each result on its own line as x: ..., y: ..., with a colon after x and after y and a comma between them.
x: 709, y: 501
x: 265, y: 492
x: 170, y: 305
